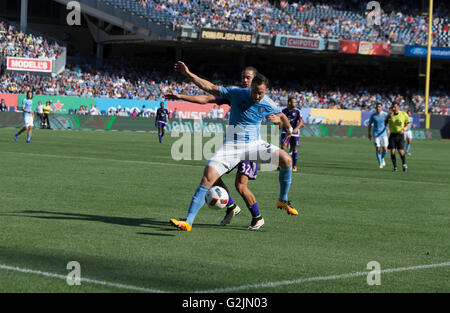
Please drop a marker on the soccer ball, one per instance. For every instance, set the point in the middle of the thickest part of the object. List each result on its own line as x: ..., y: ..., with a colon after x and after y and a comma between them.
x: 216, y: 198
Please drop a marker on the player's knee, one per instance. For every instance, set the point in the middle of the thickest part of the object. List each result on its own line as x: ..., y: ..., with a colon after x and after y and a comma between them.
x: 285, y: 159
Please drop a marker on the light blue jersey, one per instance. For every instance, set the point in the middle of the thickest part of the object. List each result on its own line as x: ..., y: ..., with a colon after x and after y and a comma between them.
x: 245, y: 115
x: 28, y: 104
x: 379, y: 128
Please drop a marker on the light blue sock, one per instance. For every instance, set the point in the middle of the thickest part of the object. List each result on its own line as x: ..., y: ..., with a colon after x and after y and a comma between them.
x: 285, y: 182
x: 379, y: 157
x: 198, y: 199
x: 408, y: 146
x: 28, y: 137
x: 383, y: 154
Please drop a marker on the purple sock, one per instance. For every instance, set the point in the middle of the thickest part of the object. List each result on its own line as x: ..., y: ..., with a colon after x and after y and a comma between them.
x: 254, y: 210
x: 294, y: 157
x: 230, y: 200
x: 159, y: 136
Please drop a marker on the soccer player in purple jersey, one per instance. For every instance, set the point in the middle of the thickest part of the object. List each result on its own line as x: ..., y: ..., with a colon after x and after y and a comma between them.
x: 246, y: 170
x: 162, y: 117
x: 295, y: 118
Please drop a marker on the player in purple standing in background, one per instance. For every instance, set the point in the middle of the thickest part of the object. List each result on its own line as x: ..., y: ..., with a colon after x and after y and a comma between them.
x: 162, y: 117
x: 294, y: 116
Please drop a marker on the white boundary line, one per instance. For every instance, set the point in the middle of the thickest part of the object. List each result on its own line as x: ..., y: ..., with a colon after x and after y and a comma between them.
x: 178, y: 163
x: 229, y: 289
x: 320, y: 278
x: 84, y: 280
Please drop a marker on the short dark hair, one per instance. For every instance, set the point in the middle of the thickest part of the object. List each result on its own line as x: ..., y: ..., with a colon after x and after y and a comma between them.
x: 291, y: 98
x: 250, y: 68
x: 260, y: 79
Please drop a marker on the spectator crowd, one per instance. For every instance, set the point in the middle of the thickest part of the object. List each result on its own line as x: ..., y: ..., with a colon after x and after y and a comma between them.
x: 401, y: 22
x: 310, y: 94
x: 14, y: 43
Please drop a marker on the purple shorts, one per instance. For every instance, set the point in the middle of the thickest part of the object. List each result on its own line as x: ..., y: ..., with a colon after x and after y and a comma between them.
x: 248, y: 168
x: 161, y: 125
x: 293, y: 141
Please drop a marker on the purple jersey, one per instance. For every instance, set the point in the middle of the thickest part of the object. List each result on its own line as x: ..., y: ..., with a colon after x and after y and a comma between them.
x: 221, y: 101
x: 162, y: 115
x: 294, y: 117
x: 248, y: 168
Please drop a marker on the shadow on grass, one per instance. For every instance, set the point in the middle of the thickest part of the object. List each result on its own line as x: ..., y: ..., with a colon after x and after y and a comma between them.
x: 116, y: 220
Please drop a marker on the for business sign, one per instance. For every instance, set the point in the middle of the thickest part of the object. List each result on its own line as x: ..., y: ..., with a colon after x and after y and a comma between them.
x: 29, y: 65
x: 299, y: 42
x: 421, y: 52
x: 210, y: 34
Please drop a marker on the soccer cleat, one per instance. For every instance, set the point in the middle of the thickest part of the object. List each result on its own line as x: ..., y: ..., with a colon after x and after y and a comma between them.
x: 383, y: 162
x: 231, y: 212
x: 287, y: 206
x: 404, y: 167
x: 294, y: 169
x: 15, y: 138
x: 409, y: 153
x: 182, y: 225
x: 28, y: 141
x: 395, y: 169
x: 257, y: 223
x: 381, y: 165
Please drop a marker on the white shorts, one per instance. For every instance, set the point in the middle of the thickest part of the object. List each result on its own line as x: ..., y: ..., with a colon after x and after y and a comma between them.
x: 381, y: 141
x: 228, y: 156
x: 28, y: 121
x: 408, y: 134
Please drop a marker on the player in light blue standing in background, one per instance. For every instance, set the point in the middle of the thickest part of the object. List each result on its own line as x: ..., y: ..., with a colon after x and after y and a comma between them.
x: 28, y: 117
x: 379, y: 133
x: 408, y: 133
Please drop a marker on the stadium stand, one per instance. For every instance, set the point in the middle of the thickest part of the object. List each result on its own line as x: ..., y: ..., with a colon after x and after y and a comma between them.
x: 330, y: 19
x: 15, y: 43
x: 326, y: 19
x: 110, y: 83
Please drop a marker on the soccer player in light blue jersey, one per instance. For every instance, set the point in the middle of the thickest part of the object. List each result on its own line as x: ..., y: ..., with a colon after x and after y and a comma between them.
x: 408, y: 133
x: 379, y: 133
x: 248, y: 108
x: 28, y: 117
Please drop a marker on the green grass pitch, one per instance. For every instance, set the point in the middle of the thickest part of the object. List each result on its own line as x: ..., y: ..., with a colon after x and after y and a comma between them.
x: 104, y: 199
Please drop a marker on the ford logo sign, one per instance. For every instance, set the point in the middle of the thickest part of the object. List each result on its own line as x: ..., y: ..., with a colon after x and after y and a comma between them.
x: 419, y: 51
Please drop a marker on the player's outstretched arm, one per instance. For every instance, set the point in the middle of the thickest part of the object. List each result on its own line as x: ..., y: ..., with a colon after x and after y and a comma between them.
x: 200, y: 99
x: 200, y: 82
x: 285, y: 122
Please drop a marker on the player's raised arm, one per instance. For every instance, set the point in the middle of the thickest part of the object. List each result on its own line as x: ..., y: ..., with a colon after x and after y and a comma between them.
x: 200, y: 99
x: 200, y: 82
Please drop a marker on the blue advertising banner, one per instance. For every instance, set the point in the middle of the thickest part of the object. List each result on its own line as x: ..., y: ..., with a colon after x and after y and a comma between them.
x: 421, y: 52
x: 365, y: 116
x: 104, y: 104
x: 306, y: 112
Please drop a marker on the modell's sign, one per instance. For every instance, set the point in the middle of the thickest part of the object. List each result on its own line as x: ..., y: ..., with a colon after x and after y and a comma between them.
x: 225, y: 35
x: 299, y: 42
x: 29, y: 65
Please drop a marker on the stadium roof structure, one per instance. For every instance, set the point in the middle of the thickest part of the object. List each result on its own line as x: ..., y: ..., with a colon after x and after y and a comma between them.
x: 110, y: 13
